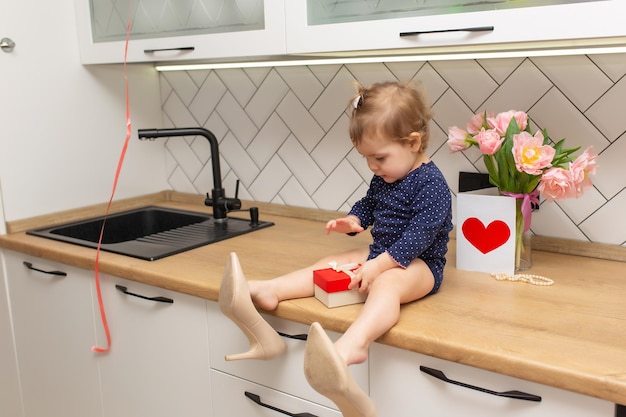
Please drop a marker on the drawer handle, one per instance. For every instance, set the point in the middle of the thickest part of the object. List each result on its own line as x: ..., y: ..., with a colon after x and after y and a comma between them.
x: 182, y: 48
x: 257, y: 399
x: 472, y: 29
x: 517, y: 395
x: 157, y: 299
x: 32, y: 268
x: 293, y: 336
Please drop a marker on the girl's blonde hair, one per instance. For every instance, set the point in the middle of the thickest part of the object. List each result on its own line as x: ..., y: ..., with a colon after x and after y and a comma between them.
x: 392, y: 110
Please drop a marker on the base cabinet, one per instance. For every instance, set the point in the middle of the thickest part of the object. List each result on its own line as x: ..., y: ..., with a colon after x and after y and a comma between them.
x: 53, y: 322
x: 158, y: 365
x: 400, y: 389
x: 167, y: 359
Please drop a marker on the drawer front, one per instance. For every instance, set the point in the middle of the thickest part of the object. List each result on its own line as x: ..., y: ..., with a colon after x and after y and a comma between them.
x: 285, y: 373
x: 400, y: 389
x: 236, y: 397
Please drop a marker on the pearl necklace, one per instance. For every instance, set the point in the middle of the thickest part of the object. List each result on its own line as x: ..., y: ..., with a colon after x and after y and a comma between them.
x: 528, y: 278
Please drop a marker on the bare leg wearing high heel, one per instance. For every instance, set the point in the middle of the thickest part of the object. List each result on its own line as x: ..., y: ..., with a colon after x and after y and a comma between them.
x: 326, y: 364
x: 329, y: 375
x: 236, y: 301
x: 236, y: 304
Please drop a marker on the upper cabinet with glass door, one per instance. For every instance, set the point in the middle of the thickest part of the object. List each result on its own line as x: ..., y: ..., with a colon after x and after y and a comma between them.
x: 364, y: 26
x: 167, y: 30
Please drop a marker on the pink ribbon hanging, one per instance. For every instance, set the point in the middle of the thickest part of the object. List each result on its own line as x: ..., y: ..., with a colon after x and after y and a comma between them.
x: 103, y: 317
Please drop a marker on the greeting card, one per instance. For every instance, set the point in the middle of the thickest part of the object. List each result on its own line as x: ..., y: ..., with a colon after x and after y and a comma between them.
x: 485, y: 237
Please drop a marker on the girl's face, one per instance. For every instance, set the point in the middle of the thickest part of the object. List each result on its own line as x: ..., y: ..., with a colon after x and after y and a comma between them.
x: 390, y: 159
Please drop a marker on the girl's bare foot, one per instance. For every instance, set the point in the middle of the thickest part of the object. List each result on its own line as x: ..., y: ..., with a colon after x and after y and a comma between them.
x: 262, y: 295
x: 351, y: 354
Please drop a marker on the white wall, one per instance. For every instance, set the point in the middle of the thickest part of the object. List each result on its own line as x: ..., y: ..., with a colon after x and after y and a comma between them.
x: 63, y: 125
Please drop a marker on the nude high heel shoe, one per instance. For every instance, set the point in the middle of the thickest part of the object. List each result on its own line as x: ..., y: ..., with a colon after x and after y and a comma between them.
x: 328, y: 374
x: 236, y: 304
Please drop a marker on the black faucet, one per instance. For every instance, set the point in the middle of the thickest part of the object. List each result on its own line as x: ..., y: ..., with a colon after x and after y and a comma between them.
x: 220, y: 203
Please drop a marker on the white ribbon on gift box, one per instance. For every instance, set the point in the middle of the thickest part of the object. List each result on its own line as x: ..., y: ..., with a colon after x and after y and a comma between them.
x: 345, y: 268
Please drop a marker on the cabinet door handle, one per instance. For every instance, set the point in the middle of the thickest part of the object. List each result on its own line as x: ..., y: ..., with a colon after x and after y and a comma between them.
x: 517, y: 395
x: 32, y: 268
x: 257, y: 399
x: 293, y: 336
x: 182, y: 48
x: 158, y: 299
x: 472, y: 29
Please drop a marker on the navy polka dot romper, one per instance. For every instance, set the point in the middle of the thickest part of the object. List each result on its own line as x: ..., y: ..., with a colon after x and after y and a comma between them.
x: 410, y: 218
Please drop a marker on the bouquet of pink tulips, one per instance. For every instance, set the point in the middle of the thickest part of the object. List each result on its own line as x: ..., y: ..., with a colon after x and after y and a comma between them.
x: 522, y: 164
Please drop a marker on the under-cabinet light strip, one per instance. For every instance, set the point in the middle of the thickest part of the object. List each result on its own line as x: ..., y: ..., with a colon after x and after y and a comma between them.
x: 398, y: 58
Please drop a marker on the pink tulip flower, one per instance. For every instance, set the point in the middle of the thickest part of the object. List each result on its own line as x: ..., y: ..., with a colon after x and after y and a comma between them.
x: 557, y: 184
x: 530, y: 155
x: 475, y: 123
x: 458, y: 139
x: 502, y: 120
x: 581, y: 168
x: 489, y: 141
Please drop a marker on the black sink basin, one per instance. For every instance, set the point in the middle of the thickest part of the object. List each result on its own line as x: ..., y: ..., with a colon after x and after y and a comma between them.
x: 150, y: 233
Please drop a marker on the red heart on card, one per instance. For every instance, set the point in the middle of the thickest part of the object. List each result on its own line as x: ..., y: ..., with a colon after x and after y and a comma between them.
x: 485, y: 239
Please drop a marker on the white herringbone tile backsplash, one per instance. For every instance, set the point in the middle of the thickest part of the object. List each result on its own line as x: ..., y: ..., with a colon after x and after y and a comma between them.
x: 283, y: 131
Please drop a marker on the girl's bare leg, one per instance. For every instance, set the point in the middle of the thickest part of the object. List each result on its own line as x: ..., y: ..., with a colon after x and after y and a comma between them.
x: 326, y: 364
x: 239, y: 298
x: 381, y: 310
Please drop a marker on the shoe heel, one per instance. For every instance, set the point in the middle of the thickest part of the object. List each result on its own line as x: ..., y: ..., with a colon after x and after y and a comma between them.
x: 253, y: 353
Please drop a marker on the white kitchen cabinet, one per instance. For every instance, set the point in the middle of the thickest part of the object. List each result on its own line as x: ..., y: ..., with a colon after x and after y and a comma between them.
x: 399, y: 388
x: 158, y: 364
x: 10, y: 399
x: 53, y: 323
x: 284, y: 373
x: 169, y: 30
x: 566, y: 22
x: 237, y: 397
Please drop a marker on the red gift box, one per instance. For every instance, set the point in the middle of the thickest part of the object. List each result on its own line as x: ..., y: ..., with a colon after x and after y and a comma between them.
x: 331, y: 286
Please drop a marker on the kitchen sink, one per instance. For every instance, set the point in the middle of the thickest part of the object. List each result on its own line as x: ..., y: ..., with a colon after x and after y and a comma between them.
x: 150, y: 233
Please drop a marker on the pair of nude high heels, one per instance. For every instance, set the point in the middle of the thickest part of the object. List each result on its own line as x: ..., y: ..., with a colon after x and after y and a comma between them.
x: 324, y: 368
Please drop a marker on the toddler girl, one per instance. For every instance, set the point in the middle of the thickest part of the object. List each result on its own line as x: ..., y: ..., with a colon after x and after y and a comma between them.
x: 408, y: 207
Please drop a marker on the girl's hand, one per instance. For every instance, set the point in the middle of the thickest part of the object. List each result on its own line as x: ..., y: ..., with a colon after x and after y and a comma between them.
x: 348, y: 224
x: 365, y: 275
x: 370, y: 270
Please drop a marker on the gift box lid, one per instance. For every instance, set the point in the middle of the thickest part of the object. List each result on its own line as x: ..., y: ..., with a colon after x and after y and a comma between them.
x: 333, y: 280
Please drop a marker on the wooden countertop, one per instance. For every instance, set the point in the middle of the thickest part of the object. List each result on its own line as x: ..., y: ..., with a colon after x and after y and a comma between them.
x: 571, y: 335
